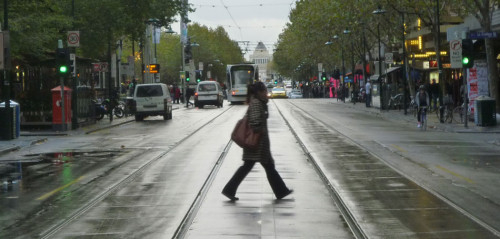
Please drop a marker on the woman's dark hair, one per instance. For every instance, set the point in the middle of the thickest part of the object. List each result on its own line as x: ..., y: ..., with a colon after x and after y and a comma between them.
x: 254, y: 89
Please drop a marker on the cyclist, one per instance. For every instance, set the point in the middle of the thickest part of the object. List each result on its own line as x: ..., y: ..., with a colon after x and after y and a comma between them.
x: 421, y: 99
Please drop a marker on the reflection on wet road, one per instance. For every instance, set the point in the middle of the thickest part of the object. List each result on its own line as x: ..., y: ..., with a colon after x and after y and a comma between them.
x: 385, y: 202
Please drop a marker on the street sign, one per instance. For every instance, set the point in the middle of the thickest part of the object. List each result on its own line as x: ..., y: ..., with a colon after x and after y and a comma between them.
x: 389, y: 58
x: 456, y: 53
x: 200, y: 66
x: 73, y: 38
x: 320, y: 67
x: 100, y: 67
x: 482, y: 35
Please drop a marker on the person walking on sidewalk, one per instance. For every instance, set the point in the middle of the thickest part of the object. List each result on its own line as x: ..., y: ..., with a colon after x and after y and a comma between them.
x: 257, y: 118
x: 421, y: 99
x: 434, y: 94
x: 368, y: 92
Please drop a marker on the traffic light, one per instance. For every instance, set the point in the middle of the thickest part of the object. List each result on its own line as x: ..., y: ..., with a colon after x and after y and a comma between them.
x: 154, y: 68
x: 62, y: 61
x: 275, y: 82
x: 323, y: 76
x: 187, y: 76
x: 198, y: 76
x: 467, y: 53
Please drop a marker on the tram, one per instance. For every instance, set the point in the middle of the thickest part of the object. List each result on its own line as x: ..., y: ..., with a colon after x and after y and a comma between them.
x: 238, y: 77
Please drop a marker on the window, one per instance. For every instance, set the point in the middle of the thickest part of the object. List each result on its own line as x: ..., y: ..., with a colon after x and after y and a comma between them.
x: 149, y: 91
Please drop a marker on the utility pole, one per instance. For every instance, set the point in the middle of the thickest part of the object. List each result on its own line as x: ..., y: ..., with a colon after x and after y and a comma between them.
x: 183, y: 28
x: 440, y: 66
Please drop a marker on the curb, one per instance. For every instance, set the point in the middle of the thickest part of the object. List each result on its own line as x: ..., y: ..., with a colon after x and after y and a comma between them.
x: 8, y: 150
x: 108, y: 126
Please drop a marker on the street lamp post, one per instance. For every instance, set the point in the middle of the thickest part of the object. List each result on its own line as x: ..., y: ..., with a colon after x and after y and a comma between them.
x: 405, y: 83
x: 154, y: 24
x: 347, y: 31
x: 342, y: 54
x: 379, y: 11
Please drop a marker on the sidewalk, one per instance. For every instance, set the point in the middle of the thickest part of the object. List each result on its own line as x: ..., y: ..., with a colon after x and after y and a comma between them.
x: 433, y: 123
x: 28, y: 138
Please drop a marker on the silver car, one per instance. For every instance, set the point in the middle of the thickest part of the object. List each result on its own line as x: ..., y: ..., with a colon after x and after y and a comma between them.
x: 208, y: 93
x: 295, y: 94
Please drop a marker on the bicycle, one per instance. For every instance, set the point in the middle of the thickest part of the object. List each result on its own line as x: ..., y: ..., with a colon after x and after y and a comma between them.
x: 448, y: 113
x: 395, y: 102
x: 459, y: 110
x: 423, y: 117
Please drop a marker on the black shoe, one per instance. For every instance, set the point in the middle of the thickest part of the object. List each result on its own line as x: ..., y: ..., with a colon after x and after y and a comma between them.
x: 286, y: 194
x: 232, y: 198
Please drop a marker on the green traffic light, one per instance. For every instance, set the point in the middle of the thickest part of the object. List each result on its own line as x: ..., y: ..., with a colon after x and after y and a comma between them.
x: 187, y: 79
x: 465, y: 60
x: 63, y: 69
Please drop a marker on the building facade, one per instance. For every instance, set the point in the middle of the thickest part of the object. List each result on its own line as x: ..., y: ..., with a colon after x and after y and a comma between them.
x: 261, y: 57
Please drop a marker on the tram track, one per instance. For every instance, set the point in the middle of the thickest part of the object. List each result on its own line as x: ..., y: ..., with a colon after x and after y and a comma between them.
x: 130, y: 177
x: 346, y: 212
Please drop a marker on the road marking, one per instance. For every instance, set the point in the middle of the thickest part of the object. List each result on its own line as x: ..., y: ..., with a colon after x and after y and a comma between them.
x: 455, y: 174
x: 59, y: 189
x: 399, y: 148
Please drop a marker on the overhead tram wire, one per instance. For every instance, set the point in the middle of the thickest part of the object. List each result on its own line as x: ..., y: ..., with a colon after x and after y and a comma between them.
x: 246, y: 5
x: 227, y: 9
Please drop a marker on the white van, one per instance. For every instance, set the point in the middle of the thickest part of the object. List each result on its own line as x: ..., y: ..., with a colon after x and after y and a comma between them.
x: 150, y: 100
x: 208, y: 93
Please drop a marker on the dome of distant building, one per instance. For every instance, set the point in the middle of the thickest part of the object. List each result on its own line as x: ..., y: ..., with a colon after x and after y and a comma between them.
x: 260, y: 47
x: 261, y: 57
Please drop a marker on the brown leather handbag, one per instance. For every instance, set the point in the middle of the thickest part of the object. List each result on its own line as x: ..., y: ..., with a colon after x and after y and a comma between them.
x: 244, y: 136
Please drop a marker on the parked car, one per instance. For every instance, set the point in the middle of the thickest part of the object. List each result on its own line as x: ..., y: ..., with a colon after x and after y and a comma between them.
x: 208, y: 93
x: 278, y: 92
x: 151, y: 100
x: 294, y: 94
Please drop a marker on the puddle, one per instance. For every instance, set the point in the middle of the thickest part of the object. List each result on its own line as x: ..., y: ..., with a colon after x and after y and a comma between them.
x: 14, y: 173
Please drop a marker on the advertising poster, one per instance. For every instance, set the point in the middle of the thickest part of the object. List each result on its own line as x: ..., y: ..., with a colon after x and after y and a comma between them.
x: 477, y: 82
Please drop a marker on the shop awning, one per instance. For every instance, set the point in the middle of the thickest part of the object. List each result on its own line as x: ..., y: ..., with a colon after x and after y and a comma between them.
x: 374, y: 78
x: 391, y: 70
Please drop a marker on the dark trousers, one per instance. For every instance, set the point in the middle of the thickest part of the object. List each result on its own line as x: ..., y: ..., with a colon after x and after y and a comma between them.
x: 275, y: 180
x: 368, y: 99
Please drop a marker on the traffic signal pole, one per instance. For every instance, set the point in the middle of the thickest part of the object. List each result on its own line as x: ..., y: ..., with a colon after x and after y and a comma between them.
x: 61, y: 80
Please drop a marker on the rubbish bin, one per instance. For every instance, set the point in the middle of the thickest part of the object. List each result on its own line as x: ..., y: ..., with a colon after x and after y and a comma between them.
x: 13, y: 129
x: 484, y: 111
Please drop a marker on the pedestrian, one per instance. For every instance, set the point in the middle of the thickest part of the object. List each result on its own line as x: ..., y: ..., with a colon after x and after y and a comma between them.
x: 368, y: 92
x: 189, y: 93
x: 257, y: 114
x: 434, y: 93
x: 177, y: 94
x: 422, y: 100
x: 131, y: 87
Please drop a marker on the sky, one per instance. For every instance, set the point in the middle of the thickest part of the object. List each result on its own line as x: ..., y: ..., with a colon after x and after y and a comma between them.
x: 245, y: 21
